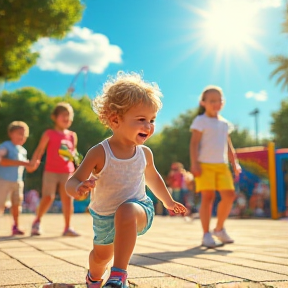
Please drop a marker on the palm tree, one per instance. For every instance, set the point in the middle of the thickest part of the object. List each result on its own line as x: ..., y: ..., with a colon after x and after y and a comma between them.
x: 281, y: 70
x: 285, y: 23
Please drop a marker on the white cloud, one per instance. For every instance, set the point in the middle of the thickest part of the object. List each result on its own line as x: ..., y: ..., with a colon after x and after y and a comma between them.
x: 81, y: 48
x: 260, y: 96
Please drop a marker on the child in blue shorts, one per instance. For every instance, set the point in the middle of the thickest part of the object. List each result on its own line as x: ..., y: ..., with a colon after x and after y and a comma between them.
x: 117, y: 170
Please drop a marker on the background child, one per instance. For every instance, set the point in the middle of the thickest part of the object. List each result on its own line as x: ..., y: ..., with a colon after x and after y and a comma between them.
x: 60, y: 145
x: 175, y: 180
x: 210, y: 145
x: 119, y: 205
x: 179, y: 181
x: 13, y: 161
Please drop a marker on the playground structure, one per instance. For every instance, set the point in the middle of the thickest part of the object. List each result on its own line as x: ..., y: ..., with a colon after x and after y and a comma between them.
x: 263, y: 184
x: 71, y: 89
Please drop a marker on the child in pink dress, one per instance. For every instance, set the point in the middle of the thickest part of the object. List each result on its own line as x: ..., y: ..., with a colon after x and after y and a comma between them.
x: 60, y: 145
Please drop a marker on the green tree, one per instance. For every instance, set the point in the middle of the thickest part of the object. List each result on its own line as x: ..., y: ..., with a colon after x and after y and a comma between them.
x: 281, y: 71
x: 279, y: 125
x: 34, y: 107
x: 281, y: 61
x: 242, y: 138
x: 23, y: 22
x: 172, y: 143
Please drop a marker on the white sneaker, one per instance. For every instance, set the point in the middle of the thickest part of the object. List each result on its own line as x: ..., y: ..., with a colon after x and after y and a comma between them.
x: 209, y: 242
x: 223, y: 236
x: 35, y: 231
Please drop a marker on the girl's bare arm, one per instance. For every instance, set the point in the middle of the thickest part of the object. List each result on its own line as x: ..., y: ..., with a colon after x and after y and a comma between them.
x: 232, y: 157
x: 194, y: 152
x: 39, y: 151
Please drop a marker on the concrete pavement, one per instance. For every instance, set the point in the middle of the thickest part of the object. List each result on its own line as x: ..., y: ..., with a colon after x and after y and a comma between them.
x: 169, y: 255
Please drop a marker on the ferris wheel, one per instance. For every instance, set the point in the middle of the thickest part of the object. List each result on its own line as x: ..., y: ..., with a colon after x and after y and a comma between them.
x: 83, y: 70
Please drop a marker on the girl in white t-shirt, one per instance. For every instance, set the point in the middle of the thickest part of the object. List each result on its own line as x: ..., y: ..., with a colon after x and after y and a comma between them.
x: 210, y: 150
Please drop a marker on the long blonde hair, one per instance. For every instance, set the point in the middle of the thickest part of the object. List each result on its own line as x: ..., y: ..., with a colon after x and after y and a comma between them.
x: 210, y: 88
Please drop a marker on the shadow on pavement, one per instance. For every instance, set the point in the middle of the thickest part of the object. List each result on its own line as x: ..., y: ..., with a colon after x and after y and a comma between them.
x: 149, y: 258
x: 14, y: 238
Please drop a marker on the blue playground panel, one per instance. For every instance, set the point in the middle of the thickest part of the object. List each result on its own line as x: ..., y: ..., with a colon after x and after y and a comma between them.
x: 281, y: 158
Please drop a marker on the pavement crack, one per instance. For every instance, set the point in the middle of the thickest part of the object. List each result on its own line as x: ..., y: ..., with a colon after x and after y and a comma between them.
x: 29, y: 268
x: 59, y: 258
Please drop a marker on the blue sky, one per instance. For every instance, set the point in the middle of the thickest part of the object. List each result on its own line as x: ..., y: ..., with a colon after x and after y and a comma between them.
x: 183, y: 45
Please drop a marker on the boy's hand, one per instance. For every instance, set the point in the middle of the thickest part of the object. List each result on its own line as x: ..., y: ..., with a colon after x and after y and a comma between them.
x: 176, y: 207
x: 31, y: 166
x: 85, y: 187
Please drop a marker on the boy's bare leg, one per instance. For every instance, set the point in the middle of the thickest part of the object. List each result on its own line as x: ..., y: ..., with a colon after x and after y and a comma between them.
x: 129, y: 219
x: 207, y: 199
x: 98, y: 259
x: 15, y: 214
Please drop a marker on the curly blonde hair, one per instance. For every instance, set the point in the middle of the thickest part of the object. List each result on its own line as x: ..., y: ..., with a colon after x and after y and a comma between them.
x: 123, y: 92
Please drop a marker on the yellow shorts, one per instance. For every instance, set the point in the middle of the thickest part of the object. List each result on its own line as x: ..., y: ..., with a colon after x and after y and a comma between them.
x: 214, y: 177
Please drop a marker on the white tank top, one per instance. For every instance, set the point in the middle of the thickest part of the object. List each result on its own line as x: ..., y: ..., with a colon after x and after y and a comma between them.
x: 119, y: 180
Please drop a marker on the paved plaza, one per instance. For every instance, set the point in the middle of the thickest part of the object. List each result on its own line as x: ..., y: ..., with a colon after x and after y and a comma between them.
x: 169, y: 255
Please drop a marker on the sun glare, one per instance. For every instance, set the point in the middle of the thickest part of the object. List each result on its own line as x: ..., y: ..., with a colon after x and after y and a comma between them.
x: 227, y: 27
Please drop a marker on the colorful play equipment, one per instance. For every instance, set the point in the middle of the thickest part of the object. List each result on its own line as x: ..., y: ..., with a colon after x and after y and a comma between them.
x: 263, y: 184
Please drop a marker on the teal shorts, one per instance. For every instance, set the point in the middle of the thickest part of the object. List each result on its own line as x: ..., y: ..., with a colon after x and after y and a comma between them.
x: 103, y: 226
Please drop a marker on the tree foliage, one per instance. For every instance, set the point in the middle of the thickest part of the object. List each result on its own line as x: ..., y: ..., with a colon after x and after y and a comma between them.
x: 279, y: 125
x: 285, y: 23
x: 34, y: 107
x: 23, y: 22
x: 281, y: 70
x: 242, y: 138
x: 172, y: 143
x: 281, y: 61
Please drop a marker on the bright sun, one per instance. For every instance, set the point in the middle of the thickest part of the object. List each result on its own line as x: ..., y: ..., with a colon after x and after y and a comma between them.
x: 228, y: 27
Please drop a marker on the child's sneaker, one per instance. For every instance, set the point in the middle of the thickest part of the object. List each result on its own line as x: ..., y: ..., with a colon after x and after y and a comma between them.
x: 117, y: 279
x: 92, y: 284
x: 16, y: 231
x: 223, y: 236
x: 70, y: 233
x: 209, y: 242
x: 35, y: 231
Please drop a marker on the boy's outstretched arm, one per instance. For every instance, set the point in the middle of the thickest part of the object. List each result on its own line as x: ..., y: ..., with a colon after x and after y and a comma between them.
x: 80, y: 183
x: 156, y: 183
x: 11, y: 162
